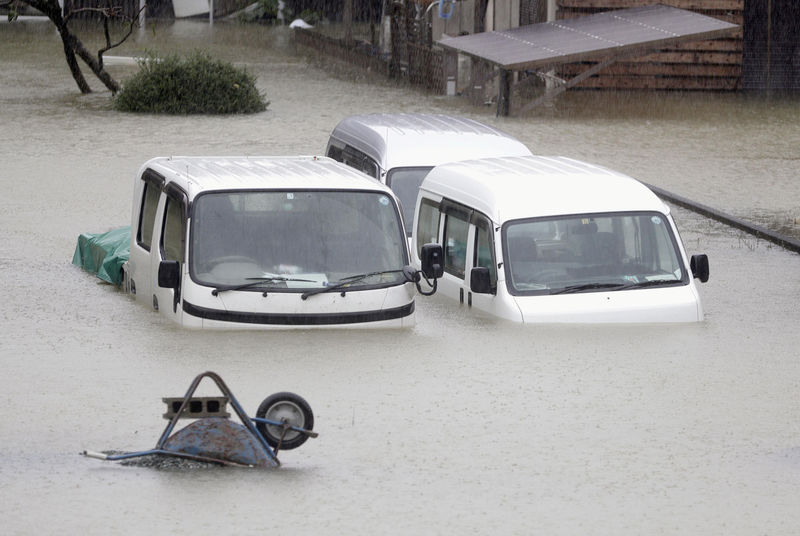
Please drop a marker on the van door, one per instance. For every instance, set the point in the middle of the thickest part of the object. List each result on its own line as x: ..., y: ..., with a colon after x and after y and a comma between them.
x: 171, y: 246
x: 456, y: 234
x: 146, y: 198
x: 482, y: 253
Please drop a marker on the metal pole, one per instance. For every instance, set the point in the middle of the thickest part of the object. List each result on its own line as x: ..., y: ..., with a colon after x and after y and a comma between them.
x: 551, y: 10
x: 551, y: 16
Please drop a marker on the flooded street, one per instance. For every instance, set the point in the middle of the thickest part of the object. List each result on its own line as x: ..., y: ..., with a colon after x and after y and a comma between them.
x: 463, y: 424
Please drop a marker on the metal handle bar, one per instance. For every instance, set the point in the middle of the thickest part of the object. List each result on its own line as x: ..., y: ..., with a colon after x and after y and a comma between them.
x: 309, y: 433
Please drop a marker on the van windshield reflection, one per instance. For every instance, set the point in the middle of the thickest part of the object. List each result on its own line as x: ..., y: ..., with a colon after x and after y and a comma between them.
x: 591, y: 253
x: 295, y: 241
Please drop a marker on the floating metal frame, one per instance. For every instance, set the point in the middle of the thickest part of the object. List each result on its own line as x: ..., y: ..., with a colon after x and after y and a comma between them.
x: 247, y: 422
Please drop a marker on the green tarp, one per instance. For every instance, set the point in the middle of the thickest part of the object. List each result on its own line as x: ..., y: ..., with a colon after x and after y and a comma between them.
x: 103, y: 254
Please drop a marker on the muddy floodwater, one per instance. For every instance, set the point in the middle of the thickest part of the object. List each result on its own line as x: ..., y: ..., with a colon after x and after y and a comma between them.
x: 461, y: 425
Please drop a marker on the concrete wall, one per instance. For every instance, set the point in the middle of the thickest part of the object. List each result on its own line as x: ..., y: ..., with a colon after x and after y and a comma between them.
x: 500, y: 15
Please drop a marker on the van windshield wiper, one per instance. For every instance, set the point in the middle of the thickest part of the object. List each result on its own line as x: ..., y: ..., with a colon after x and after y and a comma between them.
x: 257, y: 281
x: 589, y: 286
x: 616, y: 286
x: 656, y: 282
x: 349, y: 280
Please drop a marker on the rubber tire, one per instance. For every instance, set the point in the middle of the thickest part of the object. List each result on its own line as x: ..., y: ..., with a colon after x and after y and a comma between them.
x: 295, y: 404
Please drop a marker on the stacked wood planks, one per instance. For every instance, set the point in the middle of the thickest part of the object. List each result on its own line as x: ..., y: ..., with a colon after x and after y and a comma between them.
x: 696, y: 65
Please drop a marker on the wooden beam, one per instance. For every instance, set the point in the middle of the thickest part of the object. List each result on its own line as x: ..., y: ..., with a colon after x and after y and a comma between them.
x: 703, y: 58
x: 726, y: 5
x: 697, y: 83
x: 549, y: 95
x: 659, y: 69
x: 733, y: 17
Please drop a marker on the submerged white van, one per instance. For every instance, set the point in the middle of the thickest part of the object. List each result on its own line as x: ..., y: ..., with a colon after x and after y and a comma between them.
x: 238, y: 242
x: 400, y: 149
x: 551, y: 239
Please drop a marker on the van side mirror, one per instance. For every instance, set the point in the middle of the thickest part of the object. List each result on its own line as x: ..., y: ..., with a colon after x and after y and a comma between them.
x: 699, y: 266
x: 480, y: 281
x: 431, y: 256
x: 169, y: 273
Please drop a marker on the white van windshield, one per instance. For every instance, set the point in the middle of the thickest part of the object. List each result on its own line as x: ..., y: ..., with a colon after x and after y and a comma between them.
x: 295, y: 241
x: 595, y: 252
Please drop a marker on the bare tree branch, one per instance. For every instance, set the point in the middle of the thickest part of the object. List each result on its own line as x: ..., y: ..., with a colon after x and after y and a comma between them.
x: 107, y: 12
x: 132, y: 23
x: 73, y: 46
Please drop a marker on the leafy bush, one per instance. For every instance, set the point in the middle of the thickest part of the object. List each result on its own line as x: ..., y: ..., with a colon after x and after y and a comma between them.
x: 265, y: 11
x: 198, y: 84
x: 312, y: 17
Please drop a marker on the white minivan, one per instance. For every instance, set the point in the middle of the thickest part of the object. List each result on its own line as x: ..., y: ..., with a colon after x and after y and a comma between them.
x: 400, y: 149
x: 550, y: 239
x: 260, y: 242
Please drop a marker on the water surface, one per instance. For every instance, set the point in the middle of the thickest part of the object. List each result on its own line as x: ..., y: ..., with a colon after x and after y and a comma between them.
x: 461, y: 425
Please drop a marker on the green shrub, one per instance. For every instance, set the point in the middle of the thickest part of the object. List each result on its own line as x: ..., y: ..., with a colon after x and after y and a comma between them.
x: 264, y: 11
x: 194, y: 85
x: 312, y: 17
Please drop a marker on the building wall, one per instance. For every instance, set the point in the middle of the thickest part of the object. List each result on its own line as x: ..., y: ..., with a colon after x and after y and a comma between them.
x: 771, y: 45
x: 500, y: 15
x: 462, y: 20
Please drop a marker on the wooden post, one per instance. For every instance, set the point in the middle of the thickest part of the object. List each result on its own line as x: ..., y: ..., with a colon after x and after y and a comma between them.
x: 450, y: 61
x: 398, y: 36
x: 504, y: 94
x: 347, y: 19
x: 480, y: 71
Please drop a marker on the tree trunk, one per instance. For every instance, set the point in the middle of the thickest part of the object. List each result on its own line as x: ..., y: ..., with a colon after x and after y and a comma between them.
x: 72, y: 62
x: 92, y: 62
x: 73, y: 46
x: 347, y: 20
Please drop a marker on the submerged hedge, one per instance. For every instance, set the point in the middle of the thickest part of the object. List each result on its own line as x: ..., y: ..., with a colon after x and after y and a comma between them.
x: 197, y: 84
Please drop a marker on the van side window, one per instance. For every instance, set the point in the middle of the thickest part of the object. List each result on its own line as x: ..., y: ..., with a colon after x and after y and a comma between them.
x: 173, y: 239
x: 455, y: 244
x: 405, y: 183
x: 484, y: 248
x: 428, y: 224
x: 335, y: 153
x: 360, y: 161
x: 147, y: 215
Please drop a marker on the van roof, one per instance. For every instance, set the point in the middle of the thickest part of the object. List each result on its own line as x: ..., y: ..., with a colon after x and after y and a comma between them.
x: 196, y: 174
x: 510, y: 188
x: 409, y: 140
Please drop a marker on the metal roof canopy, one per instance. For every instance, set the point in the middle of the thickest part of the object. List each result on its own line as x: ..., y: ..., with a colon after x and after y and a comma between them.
x: 604, y: 37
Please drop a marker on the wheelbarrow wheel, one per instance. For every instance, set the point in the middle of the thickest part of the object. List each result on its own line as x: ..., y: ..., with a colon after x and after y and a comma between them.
x: 285, y: 407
